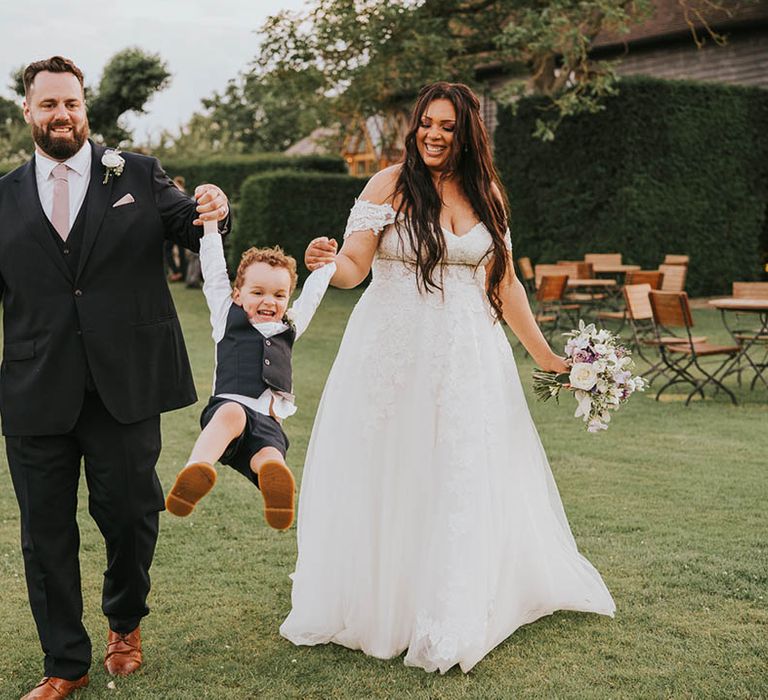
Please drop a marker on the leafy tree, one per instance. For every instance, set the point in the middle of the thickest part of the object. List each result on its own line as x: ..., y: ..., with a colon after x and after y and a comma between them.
x: 340, y: 60
x: 14, y: 134
x: 130, y: 79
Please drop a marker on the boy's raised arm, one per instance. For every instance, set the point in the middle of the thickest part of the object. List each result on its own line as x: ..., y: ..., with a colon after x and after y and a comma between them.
x: 216, y: 287
x: 312, y: 293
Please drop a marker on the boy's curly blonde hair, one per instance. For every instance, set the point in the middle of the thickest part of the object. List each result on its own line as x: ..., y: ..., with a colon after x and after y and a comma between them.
x: 274, y: 256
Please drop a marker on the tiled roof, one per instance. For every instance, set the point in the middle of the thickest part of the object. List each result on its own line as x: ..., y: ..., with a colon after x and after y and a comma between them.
x: 669, y: 20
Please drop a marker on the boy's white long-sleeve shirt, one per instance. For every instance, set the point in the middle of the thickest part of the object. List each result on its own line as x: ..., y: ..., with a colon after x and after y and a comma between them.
x: 218, y: 296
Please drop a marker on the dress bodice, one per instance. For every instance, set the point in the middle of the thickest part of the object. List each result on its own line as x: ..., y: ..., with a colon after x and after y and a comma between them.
x: 465, y: 255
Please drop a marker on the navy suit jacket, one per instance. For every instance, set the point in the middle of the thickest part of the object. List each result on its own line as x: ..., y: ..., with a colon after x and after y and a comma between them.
x: 114, y: 316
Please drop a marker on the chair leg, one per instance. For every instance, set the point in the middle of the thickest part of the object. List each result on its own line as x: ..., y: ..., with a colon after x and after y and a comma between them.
x: 681, y: 376
x: 715, y: 379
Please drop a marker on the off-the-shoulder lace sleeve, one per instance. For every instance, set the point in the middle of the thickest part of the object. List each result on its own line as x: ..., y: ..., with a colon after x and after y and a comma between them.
x: 367, y: 216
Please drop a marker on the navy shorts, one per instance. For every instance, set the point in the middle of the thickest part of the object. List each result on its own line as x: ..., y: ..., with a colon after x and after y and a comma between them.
x: 260, y: 431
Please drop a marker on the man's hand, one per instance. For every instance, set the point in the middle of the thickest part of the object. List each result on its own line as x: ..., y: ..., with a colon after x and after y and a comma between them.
x: 319, y: 252
x: 212, y: 204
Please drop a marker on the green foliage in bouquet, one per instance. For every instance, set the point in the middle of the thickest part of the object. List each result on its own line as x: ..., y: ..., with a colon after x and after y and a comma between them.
x: 667, y: 167
x: 289, y: 209
x: 548, y: 384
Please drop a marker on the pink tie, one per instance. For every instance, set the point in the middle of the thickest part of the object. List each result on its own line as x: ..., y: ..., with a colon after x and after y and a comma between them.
x: 60, y: 213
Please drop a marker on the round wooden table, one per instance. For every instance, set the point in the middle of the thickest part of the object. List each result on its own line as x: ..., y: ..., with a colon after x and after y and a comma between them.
x: 746, y: 306
x: 613, y: 269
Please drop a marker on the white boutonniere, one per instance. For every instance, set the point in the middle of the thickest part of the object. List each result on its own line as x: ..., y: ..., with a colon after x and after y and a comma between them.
x: 113, y: 162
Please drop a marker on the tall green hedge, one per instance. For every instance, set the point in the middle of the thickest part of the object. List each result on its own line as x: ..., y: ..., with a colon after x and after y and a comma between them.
x: 229, y: 173
x: 290, y: 209
x: 668, y: 167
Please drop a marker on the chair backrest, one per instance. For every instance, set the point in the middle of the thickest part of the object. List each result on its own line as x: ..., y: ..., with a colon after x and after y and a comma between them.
x: 605, y: 258
x: 526, y: 268
x: 568, y: 268
x: 674, y: 277
x: 750, y: 290
x: 671, y: 309
x: 676, y: 259
x: 551, y: 288
x: 638, y: 305
x: 541, y: 270
x: 586, y: 270
x: 651, y: 277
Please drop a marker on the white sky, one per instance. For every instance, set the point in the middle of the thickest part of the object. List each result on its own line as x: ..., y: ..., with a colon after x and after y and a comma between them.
x: 204, y: 43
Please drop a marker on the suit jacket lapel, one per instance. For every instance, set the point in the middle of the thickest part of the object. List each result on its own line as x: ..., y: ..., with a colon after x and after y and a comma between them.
x: 33, y: 216
x: 99, y: 196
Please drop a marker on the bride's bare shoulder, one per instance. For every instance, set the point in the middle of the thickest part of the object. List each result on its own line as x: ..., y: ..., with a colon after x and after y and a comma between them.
x: 381, y: 187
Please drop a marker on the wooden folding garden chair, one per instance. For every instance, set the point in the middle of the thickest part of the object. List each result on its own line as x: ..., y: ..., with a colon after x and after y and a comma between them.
x: 750, y: 290
x: 551, y: 312
x: 527, y: 275
x: 676, y: 259
x: 605, y: 258
x: 672, y: 310
x: 652, y: 278
x: 645, y: 340
x: 674, y: 277
x: 750, y: 337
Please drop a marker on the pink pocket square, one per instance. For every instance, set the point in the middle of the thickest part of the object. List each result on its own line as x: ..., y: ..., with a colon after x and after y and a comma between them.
x: 125, y: 199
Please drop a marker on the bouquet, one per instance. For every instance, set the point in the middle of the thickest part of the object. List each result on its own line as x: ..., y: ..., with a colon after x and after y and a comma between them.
x: 600, y: 378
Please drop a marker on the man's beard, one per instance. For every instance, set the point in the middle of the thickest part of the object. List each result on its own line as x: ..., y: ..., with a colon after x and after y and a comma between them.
x: 60, y: 147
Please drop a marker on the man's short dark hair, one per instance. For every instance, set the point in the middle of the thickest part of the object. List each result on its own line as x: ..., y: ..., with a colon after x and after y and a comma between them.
x: 54, y: 64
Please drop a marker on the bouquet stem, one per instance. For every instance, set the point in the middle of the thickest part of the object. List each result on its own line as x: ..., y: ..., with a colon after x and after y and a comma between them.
x: 548, y: 384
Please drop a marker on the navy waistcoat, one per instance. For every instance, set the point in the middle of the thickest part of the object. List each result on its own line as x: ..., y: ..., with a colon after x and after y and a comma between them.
x: 247, y: 363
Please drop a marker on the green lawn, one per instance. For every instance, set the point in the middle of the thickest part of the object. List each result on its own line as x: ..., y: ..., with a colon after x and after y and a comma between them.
x: 669, y: 504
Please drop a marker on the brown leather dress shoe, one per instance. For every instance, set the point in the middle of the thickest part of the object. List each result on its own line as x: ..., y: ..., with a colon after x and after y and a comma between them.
x: 123, y: 653
x: 192, y: 483
x: 277, y: 487
x: 52, y: 688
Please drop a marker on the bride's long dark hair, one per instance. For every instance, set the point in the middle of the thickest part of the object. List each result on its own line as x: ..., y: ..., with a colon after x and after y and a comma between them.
x: 471, y: 163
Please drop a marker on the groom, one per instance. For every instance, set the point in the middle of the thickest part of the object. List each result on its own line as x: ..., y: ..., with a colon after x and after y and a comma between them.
x: 93, y: 353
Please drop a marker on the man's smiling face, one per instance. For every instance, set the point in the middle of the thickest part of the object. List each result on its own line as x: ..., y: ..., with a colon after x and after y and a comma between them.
x: 55, y: 109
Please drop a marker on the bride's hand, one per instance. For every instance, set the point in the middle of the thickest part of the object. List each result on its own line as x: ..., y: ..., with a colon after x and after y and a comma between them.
x: 319, y: 252
x: 555, y: 363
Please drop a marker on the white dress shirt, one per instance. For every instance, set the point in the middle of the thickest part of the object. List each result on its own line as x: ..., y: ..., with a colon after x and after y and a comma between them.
x: 218, y: 295
x: 79, y: 177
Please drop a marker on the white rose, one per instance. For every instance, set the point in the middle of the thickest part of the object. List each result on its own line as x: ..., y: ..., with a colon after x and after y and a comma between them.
x: 111, y: 159
x: 583, y: 376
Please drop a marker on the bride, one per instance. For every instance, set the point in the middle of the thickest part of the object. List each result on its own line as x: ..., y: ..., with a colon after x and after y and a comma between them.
x: 429, y: 521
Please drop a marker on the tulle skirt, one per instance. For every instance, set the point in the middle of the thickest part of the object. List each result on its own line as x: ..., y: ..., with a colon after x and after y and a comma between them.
x: 429, y: 520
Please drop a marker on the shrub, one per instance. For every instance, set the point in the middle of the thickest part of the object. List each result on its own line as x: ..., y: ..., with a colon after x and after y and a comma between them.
x: 667, y: 167
x: 290, y: 209
x: 229, y: 173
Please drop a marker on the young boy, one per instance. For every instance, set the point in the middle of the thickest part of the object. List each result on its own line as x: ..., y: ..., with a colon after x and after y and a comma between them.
x: 252, y: 381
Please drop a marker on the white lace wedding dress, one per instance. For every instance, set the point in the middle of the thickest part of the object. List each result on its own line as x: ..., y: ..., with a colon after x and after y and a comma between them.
x: 429, y: 520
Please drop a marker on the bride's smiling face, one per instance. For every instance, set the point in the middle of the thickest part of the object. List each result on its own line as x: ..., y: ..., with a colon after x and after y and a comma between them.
x: 434, y: 138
